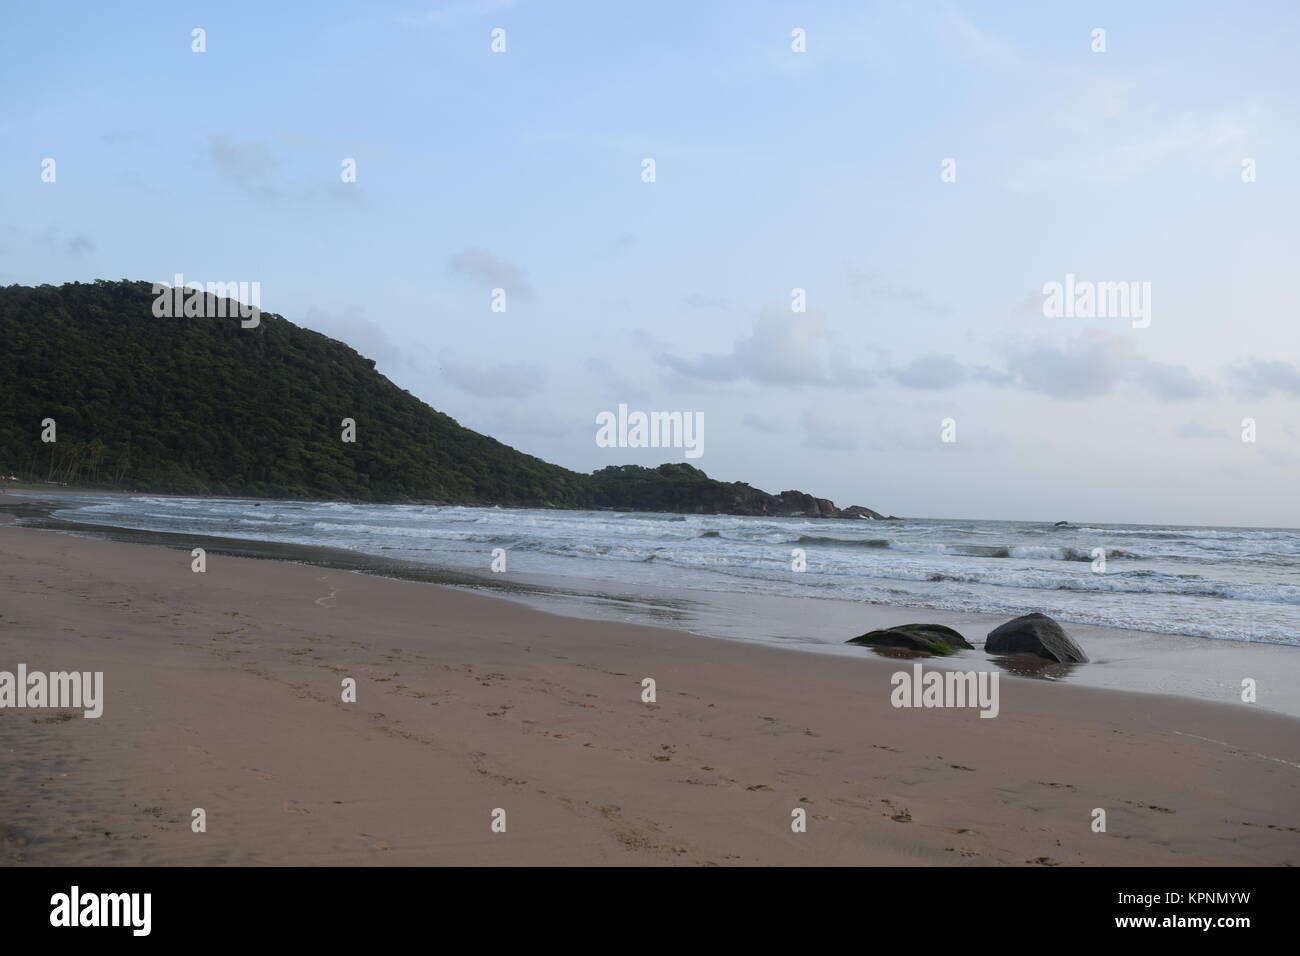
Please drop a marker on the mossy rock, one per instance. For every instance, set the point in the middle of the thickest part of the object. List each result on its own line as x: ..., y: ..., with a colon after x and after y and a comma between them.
x: 926, y: 638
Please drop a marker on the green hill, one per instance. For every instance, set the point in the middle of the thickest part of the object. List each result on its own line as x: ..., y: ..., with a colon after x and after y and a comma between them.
x: 203, y: 406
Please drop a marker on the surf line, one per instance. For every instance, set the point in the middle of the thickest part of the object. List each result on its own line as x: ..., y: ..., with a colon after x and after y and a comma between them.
x: 1234, y: 747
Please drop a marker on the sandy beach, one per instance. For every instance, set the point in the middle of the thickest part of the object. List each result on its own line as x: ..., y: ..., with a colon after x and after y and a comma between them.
x: 222, y: 692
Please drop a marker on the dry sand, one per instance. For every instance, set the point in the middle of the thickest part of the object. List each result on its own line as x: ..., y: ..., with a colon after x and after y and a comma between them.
x: 223, y: 692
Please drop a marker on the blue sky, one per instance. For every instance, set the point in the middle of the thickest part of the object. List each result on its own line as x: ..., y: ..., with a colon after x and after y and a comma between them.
x: 774, y: 170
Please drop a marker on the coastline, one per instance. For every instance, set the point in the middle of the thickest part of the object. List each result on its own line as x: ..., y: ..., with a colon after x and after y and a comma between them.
x: 222, y: 692
x: 1123, y: 658
x: 813, y: 507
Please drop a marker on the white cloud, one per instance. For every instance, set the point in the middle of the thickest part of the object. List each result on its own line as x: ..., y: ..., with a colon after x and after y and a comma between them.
x: 483, y: 266
x: 1258, y: 378
x: 495, y: 381
x: 784, y: 348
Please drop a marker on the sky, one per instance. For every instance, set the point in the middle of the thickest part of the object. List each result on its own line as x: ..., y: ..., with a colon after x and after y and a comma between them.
x: 921, y: 171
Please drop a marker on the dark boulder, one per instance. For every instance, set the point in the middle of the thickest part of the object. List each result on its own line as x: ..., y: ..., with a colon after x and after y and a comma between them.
x: 1035, y: 634
x: 925, y: 638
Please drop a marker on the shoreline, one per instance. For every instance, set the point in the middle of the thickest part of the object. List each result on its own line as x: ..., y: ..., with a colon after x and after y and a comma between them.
x: 1129, y: 659
x: 36, y: 489
x: 222, y: 693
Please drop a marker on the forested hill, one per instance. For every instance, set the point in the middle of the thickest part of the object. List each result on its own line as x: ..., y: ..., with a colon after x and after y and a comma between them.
x: 205, y: 406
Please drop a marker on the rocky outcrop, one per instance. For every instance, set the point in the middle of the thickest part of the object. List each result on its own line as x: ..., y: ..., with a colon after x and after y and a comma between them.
x: 683, y: 489
x: 793, y: 504
x: 857, y: 511
x: 923, y: 638
x: 797, y: 504
x: 1035, y: 634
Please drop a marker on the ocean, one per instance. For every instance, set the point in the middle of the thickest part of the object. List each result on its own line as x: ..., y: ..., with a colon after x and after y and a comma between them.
x: 1221, y: 584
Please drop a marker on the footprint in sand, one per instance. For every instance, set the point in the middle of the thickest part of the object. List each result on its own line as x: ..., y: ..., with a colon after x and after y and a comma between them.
x: 375, y: 844
x: 1269, y: 826
x: 1149, y: 806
